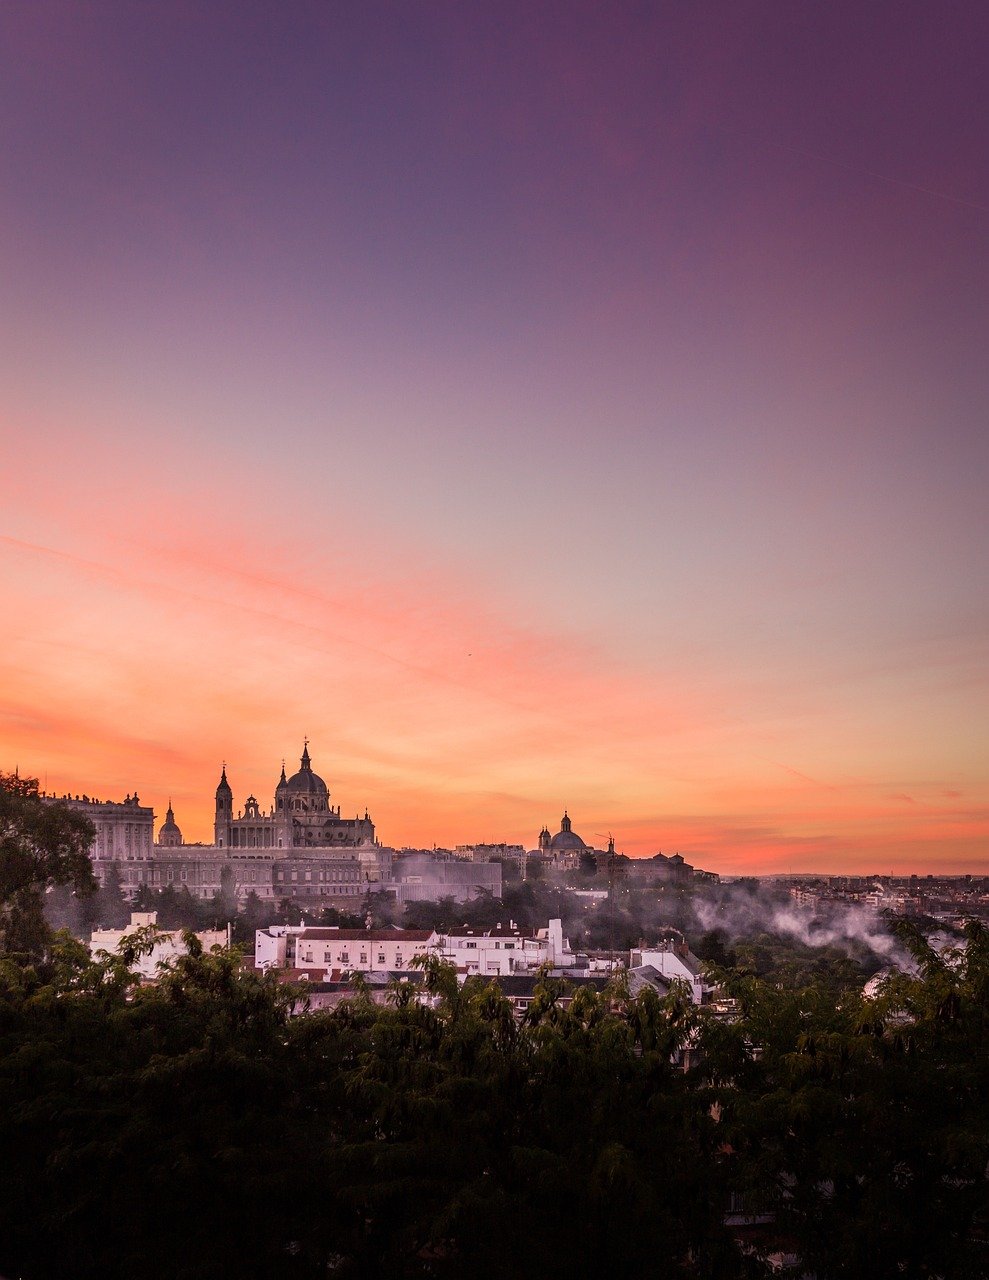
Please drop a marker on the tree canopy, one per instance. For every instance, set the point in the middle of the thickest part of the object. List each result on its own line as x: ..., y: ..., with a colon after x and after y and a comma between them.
x: 195, y: 1128
x: 43, y: 843
x: 198, y: 1128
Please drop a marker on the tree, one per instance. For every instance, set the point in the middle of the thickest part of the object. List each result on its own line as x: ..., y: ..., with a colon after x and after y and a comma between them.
x: 113, y: 910
x: 864, y: 1123
x: 146, y: 898
x: 42, y: 843
x: 254, y: 916
x: 222, y: 907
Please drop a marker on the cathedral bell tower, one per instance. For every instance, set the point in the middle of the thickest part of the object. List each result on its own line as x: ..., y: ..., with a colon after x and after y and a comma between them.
x: 224, y: 812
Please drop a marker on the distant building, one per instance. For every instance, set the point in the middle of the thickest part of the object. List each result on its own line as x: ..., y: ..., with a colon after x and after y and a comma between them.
x: 301, y: 848
x: 420, y: 877
x: 661, y: 869
x: 513, y: 853
x: 565, y: 848
x: 124, y: 828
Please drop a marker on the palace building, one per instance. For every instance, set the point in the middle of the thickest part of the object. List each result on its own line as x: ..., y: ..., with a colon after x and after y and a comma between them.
x: 301, y: 849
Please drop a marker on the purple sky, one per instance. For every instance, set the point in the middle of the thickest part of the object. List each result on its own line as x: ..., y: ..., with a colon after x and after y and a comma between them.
x: 637, y: 350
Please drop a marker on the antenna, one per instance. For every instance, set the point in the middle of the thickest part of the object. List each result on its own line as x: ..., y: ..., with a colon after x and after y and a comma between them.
x: 611, y: 895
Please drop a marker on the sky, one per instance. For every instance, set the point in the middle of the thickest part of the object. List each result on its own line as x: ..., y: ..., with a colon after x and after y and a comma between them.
x: 534, y: 405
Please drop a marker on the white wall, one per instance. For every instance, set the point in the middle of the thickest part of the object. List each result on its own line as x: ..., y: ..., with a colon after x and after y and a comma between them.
x: 169, y: 945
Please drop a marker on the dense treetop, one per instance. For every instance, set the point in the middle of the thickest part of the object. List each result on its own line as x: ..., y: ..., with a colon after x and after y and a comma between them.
x: 196, y: 1128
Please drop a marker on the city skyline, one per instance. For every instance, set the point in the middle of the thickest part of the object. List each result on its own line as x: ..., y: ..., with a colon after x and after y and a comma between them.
x: 535, y: 407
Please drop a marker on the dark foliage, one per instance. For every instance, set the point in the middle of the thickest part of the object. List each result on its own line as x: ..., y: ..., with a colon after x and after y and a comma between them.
x: 194, y: 1129
x: 42, y: 844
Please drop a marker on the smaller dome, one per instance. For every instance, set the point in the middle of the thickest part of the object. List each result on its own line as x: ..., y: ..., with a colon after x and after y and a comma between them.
x: 169, y: 835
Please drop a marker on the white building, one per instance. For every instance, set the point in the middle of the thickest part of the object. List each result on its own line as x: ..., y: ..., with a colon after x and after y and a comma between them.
x: 168, y: 945
x: 506, y: 949
x: 675, y: 960
x: 355, y: 950
x: 274, y: 945
x: 499, y: 951
x: 124, y: 829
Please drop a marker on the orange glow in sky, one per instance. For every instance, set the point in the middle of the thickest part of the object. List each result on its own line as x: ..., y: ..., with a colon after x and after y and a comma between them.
x: 144, y: 652
x: 531, y: 414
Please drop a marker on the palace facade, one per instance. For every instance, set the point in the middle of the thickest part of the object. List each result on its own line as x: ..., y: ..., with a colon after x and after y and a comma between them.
x: 301, y: 848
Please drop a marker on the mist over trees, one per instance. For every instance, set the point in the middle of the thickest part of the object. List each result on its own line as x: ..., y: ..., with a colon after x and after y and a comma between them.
x: 195, y: 1128
x: 747, y: 925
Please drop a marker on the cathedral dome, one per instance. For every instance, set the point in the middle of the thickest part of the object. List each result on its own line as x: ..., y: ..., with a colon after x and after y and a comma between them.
x: 566, y: 839
x: 305, y: 782
x: 169, y: 835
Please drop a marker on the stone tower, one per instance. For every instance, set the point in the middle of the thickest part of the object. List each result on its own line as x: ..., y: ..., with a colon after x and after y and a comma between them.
x: 224, y: 812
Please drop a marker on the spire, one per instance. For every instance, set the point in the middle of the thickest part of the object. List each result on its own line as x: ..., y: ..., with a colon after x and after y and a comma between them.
x: 305, y: 762
x: 283, y: 778
x: 224, y: 785
x: 169, y: 816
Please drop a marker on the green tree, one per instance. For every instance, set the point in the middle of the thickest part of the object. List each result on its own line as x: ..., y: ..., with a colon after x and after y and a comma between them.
x: 112, y: 909
x: 42, y: 843
x: 222, y: 907
x: 864, y: 1123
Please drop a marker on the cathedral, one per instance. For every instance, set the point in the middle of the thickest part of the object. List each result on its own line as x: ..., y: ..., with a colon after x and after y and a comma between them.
x: 300, y: 818
x: 565, y: 847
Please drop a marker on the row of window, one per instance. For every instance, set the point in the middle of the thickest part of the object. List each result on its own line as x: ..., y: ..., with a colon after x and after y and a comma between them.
x: 334, y: 874
x: 343, y: 957
x: 166, y: 875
